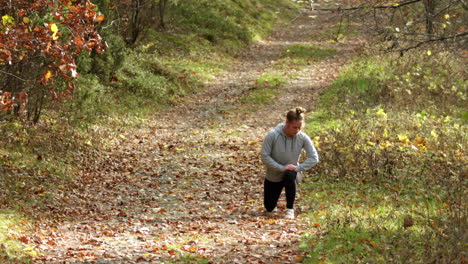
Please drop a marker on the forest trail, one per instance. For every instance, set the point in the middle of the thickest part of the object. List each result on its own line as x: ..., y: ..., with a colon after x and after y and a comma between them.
x: 188, y: 185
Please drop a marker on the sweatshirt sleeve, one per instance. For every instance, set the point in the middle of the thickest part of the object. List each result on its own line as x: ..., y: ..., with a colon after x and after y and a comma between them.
x: 267, y: 148
x: 312, y: 156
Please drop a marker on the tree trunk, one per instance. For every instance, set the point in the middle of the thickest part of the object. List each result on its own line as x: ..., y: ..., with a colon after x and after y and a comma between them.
x: 162, y: 8
x: 429, y: 6
x: 135, y: 22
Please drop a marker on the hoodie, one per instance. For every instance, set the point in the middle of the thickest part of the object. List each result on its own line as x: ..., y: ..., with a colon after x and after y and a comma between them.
x: 279, y: 150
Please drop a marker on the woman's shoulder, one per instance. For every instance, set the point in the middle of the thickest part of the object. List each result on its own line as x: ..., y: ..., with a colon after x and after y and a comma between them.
x: 303, y: 135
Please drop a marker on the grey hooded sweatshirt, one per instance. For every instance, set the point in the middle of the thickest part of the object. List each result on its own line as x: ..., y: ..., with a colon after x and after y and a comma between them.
x: 280, y: 150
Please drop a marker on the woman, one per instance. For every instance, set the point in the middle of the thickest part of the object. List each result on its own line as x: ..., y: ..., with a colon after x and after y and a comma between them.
x: 280, y: 153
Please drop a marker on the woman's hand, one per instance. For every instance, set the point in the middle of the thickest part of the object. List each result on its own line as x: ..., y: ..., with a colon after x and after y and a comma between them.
x: 289, y: 167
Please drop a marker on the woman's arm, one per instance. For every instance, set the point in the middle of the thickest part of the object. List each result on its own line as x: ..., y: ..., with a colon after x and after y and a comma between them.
x: 267, y: 148
x: 312, y: 156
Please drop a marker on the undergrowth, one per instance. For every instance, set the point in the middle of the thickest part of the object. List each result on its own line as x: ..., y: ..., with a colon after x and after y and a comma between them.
x: 391, y: 183
x: 115, y: 91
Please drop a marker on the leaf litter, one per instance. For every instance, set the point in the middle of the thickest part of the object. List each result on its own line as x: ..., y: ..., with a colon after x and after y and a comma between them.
x: 189, y: 184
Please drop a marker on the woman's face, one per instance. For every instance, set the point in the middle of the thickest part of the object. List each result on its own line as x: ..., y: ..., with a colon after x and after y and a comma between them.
x: 292, y: 128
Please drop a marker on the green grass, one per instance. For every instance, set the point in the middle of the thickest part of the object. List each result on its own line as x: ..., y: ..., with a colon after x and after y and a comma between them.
x: 230, y: 25
x: 356, y: 222
x: 301, y: 54
x: 14, y: 246
x: 201, y: 69
x: 387, y: 157
x: 266, y: 89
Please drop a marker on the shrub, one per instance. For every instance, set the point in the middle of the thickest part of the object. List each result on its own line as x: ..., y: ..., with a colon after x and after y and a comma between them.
x: 378, y: 142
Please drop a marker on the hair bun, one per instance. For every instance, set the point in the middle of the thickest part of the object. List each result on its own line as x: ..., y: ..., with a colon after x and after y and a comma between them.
x: 300, y: 110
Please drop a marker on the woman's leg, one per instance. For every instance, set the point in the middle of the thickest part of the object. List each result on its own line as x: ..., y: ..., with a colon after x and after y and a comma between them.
x: 271, y: 194
x: 289, y: 180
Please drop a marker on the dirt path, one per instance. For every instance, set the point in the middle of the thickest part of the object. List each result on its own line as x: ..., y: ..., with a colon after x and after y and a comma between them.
x: 189, y: 185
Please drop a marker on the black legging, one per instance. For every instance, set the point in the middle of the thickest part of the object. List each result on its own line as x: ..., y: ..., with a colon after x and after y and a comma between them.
x: 272, y: 191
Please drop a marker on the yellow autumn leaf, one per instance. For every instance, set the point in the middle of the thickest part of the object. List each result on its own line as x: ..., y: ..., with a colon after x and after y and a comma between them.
x: 429, y: 53
x: 6, y: 19
x: 402, y: 137
x: 192, y: 249
x: 385, y: 133
x: 447, y: 16
x: 53, y: 28
x: 26, y: 20
x: 48, y: 75
x: 386, y: 144
x: 381, y: 114
x: 419, y: 140
x: 321, y: 213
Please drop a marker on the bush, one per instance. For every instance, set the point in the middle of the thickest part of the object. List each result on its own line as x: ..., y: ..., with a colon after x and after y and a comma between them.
x: 435, y: 80
x: 228, y: 25
x: 147, y: 77
x: 375, y: 142
x: 104, y: 65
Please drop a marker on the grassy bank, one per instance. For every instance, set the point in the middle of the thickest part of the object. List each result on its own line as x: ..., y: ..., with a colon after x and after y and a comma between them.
x: 391, y: 185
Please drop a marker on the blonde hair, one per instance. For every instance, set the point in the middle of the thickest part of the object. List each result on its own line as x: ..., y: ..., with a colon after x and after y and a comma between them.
x: 295, y: 114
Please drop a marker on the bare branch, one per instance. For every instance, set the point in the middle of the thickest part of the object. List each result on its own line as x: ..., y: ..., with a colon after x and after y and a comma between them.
x: 11, y: 74
x: 397, y: 5
x: 431, y: 40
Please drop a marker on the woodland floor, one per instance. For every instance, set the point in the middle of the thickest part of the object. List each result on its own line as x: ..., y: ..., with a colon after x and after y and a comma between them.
x: 188, y: 185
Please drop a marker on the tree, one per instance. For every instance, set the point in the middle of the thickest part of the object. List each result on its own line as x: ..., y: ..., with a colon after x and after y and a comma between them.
x: 407, y: 24
x: 138, y: 15
x: 39, y: 42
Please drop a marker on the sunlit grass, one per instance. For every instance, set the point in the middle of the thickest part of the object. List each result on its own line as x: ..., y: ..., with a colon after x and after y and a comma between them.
x: 354, y: 222
x: 14, y: 246
x: 298, y: 55
x: 266, y: 89
x: 201, y: 69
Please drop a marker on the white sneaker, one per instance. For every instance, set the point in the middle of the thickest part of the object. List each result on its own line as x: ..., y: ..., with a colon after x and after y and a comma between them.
x: 289, y: 214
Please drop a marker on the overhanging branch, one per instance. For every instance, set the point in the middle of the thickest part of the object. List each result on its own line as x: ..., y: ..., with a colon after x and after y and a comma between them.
x: 431, y: 40
x: 397, y: 5
x: 11, y: 74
